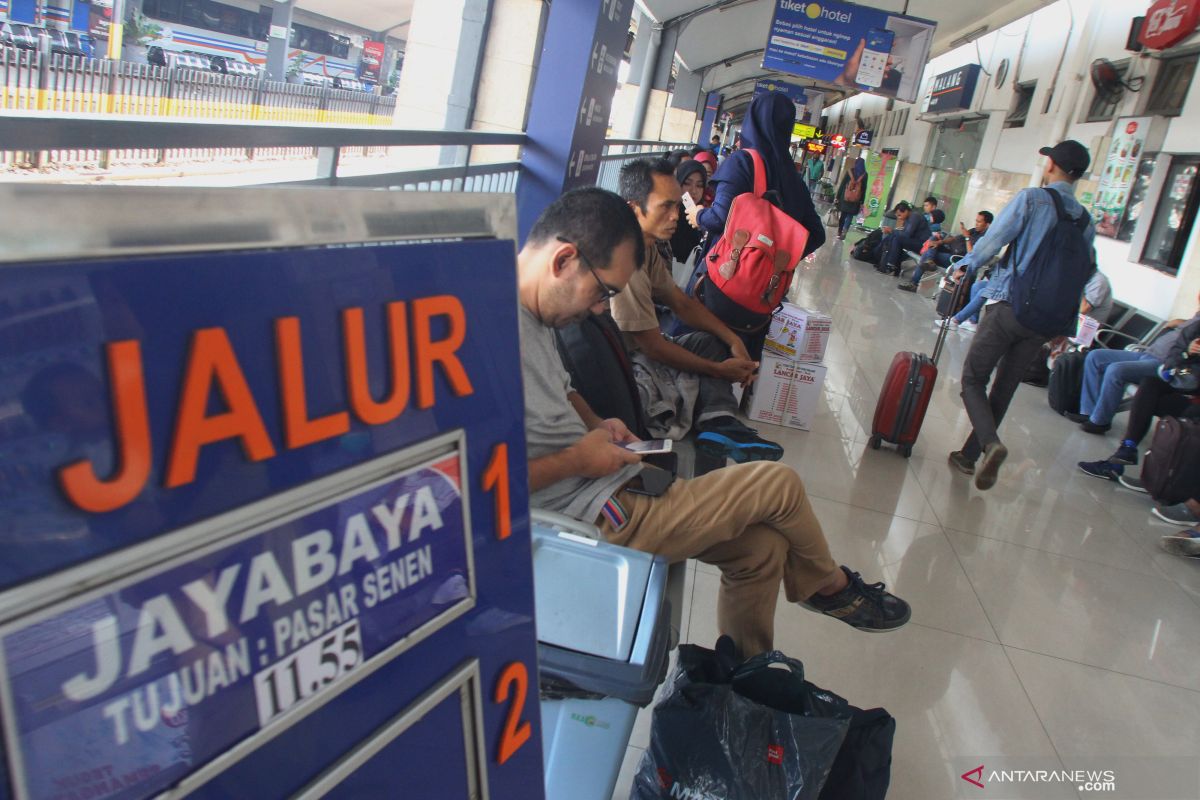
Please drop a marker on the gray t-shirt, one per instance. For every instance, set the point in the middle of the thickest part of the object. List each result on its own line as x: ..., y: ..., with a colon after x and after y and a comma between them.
x: 1098, y: 293
x: 552, y: 424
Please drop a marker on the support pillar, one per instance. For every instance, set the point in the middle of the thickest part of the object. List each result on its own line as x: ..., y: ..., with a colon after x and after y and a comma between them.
x: 572, y: 98
x: 279, y: 38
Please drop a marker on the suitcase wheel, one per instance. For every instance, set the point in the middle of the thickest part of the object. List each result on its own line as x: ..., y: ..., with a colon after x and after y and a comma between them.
x: 906, y: 450
x: 875, y: 442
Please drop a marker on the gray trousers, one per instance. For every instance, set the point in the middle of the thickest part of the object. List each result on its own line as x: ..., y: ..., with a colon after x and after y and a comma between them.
x: 716, y: 395
x: 1003, y: 345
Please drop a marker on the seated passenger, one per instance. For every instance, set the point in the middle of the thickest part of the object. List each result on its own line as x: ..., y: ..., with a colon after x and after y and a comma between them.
x: 753, y: 521
x: 1106, y: 373
x: 1097, y: 298
x: 686, y: 382
x: 692, y: 179
x: 911, y: 231
x: 947, y: 247
x: 1154, y: 397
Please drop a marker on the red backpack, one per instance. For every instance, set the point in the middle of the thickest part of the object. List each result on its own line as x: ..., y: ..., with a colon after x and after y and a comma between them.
x: 753, y: 262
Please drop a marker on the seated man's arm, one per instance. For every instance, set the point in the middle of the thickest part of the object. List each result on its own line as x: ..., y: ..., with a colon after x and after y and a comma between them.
x: 661, y: 349
x: 1007, y: 226
x: 593, y: 456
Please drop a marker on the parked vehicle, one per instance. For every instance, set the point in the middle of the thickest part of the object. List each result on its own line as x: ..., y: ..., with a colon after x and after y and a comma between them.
x: 20, y: 35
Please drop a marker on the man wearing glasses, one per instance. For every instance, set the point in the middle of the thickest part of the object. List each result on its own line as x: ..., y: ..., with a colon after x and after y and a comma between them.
x: 685, y: 382
x: 753, y: 521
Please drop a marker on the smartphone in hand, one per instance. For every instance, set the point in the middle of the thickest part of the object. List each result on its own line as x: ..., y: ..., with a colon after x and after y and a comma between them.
x: 688, y: 202
x: 649, y: 447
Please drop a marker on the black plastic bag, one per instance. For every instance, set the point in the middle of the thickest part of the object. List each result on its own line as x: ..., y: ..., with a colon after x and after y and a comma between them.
x: 755, y: 731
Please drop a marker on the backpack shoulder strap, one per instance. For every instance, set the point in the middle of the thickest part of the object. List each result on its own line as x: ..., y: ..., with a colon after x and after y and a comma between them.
x: 759, y: 168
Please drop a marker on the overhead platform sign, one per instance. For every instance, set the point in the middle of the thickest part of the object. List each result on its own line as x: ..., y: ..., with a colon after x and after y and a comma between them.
x: 850, y: 45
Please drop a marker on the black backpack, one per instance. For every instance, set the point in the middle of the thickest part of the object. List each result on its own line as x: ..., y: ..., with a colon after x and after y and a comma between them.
x: 1171, y: 473
x: 867, y: 248
x: 594, y: 354
x: 1045, y: 297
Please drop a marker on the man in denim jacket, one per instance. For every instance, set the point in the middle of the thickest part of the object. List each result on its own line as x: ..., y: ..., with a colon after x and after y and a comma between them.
x: 1002, y: 344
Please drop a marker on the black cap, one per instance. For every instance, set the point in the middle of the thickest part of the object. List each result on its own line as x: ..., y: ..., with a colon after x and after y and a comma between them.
x: 1070, y: 156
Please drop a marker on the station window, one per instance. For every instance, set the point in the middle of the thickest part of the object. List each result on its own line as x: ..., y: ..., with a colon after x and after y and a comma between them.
x: 1022, y: 102
x: 208, y: 15
x: 1104, y: 107
x: 318, y: 41
x: 1171, y: 85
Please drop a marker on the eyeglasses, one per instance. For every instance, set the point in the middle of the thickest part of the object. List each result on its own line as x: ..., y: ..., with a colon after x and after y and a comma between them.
x: 606, y: 291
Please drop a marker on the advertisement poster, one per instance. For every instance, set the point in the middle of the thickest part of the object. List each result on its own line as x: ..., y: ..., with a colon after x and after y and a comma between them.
x: 372, y: 61
x: 881, y: 170
x: 121, y: 694
x: 99, y: 18
x: 795, y: 93
x: 850, y: 45
x: 1119, y: 174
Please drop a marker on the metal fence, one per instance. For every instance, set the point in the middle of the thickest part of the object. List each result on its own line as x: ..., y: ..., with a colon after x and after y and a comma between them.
x: 32, y: 81
x: 619, y: 152
x: 330, y: 143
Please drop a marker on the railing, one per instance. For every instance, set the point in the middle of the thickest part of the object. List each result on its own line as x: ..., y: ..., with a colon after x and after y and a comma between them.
x: 31, y: 81
x: 416, y: 159
x: 619, y: 152
x: 418, y: 153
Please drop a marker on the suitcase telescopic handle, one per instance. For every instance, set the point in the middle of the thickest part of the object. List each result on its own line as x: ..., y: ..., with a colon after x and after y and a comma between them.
x: 941, y: 339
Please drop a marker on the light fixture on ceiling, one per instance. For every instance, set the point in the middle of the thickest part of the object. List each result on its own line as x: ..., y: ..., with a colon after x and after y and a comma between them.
x: 970, y: 37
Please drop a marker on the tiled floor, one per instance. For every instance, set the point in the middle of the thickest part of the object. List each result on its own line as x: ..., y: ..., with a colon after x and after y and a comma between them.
x: 1048, y: 628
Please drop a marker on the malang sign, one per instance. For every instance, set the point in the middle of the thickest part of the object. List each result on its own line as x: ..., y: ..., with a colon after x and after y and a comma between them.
x: 1169, y: 22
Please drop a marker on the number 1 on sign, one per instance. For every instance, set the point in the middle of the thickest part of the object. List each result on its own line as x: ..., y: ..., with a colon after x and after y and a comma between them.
x: 495, y: 477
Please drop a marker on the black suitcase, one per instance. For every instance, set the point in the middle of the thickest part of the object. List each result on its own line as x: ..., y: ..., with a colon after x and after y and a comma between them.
x: 868, y: 249
x: 1066, y: 383
x: 950, y: 300
x: 1171, y: 473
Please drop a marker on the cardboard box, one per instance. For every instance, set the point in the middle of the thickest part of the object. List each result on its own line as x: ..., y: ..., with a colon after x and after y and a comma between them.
x: 799, y: 334
x: 787, y: 392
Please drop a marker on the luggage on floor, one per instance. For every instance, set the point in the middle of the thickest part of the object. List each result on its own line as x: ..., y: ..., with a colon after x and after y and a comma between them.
x: 950, y: 300
x: 1171, y: 473
x: 863, y: 768
x: 868, y: 248
x: 905, y: 396
x: 751, y: 731
x: 1066, y: 382
x: 1038, y: 373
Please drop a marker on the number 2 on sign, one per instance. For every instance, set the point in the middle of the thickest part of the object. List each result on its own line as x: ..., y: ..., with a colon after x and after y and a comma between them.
x: 496, y: 477
x: 515, y: 733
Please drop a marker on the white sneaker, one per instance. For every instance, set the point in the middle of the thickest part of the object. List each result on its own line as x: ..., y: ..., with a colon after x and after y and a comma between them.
x: 968, y: 326
x: 953, y: 325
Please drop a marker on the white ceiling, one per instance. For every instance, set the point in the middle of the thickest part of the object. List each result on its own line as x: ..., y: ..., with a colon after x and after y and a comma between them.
x: 732, y: 33
x: 391, y: 16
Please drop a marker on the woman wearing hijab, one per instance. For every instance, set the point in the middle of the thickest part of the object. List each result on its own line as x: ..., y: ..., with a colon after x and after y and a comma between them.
x: 850, y: 208
x: 767, y: 129
x: 709, y: 160
x: 692, y: 179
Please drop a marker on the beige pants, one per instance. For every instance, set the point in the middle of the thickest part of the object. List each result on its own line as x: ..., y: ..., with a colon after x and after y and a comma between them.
x: 754, y: 522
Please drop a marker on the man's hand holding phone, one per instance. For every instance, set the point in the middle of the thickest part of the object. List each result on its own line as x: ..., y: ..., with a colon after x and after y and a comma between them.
x: 596, y: 456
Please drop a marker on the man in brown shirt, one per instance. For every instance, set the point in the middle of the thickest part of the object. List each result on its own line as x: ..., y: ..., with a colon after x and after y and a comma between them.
x: 711, y: 359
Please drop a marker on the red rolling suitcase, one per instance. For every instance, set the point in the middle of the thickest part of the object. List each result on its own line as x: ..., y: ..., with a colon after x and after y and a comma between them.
x: 905, y: 395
